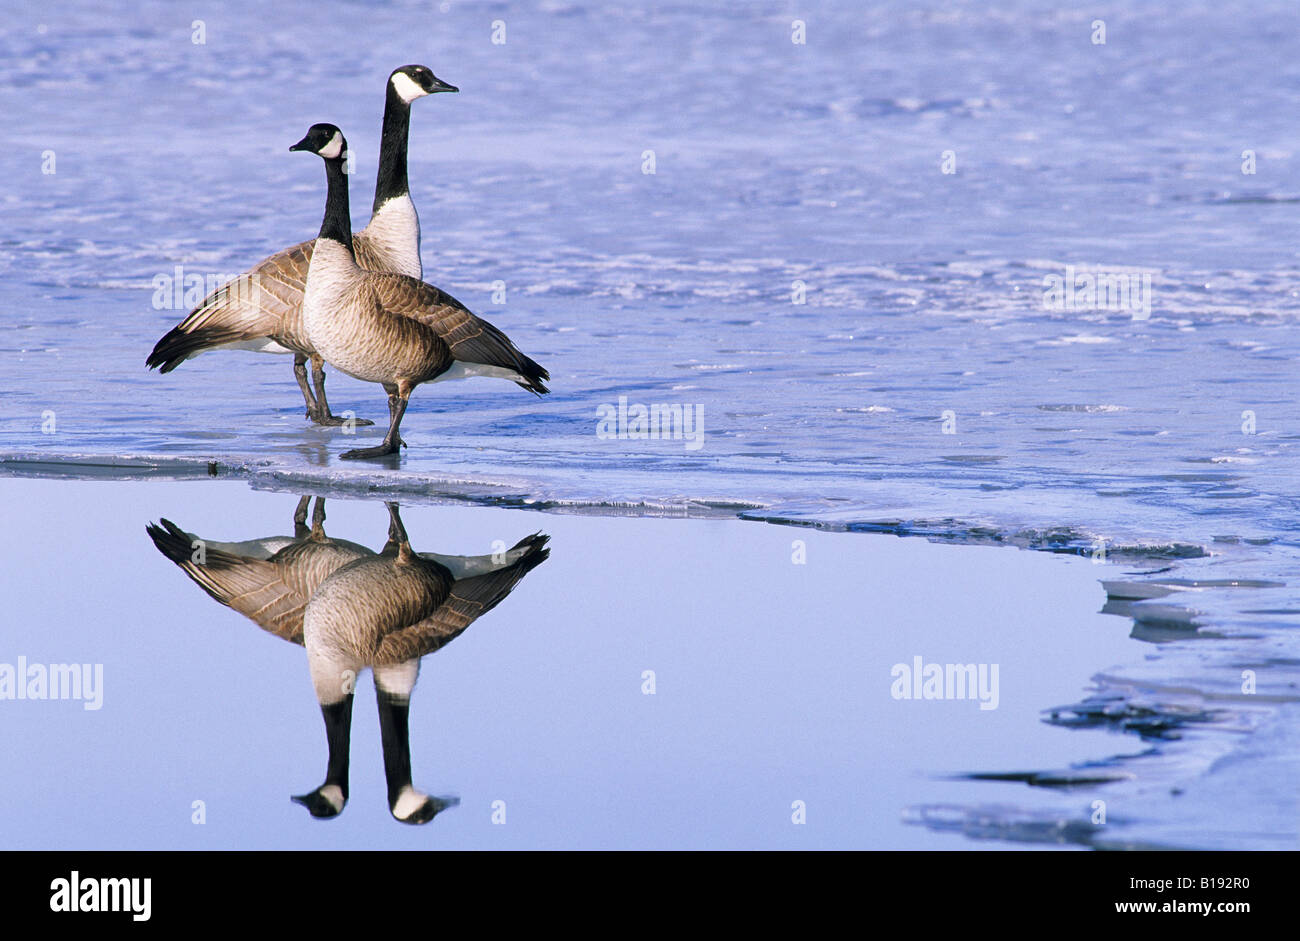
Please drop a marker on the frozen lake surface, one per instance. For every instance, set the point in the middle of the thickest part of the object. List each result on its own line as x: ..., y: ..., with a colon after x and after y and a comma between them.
x: 923, y: 386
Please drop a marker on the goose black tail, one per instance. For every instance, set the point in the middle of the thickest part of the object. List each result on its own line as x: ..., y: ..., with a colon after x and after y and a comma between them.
x: 491, y: 588
x: 534, y: 375
x: 177, y: 346
x: 179, y: 546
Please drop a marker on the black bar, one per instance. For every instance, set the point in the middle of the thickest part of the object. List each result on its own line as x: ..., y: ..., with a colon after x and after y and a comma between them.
x: 958, y: 888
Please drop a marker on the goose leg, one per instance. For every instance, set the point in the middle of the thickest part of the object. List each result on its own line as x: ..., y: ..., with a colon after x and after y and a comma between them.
x: 318, y: 520
x: 396, y: 531
x: 322, y: 415
x: 392, y: 441
x: 329, y: 799
x: 300, y: 373
x: 300, y: 518
x: 392, y: 407
x: 393, y: 684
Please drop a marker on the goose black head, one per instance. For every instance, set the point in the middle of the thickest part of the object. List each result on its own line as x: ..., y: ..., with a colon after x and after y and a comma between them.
x: 415, y: 81
x: 324, y: 139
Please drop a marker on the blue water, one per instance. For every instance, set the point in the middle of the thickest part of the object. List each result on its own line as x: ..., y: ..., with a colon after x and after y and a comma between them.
x: 1085, y: 431
x: 771, y: 684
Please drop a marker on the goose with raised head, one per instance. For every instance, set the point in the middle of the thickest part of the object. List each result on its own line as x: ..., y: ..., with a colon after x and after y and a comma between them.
x: 261, y: 310
x: 385, y: 613
x: 392, y: 328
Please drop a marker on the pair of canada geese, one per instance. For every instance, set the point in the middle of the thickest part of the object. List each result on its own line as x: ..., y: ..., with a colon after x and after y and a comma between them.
x: 353, y: 608
x: 356, y: 301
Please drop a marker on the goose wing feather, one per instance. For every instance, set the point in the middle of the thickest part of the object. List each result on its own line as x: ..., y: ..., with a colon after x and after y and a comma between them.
x: 271, y: 592
x: 470, y: 339
x: 469, y: 599
x: 264, y: 302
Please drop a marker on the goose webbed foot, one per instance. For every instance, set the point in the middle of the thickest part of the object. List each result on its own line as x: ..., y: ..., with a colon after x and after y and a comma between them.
x: 318, y: 407
x: 393, y: 442
x: 333, y: 421
x: 379, y: 450
x: 326, y: 801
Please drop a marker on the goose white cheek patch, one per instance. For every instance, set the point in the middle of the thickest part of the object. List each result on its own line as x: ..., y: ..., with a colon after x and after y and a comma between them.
x: 333, y: 148
x: 406, y: 87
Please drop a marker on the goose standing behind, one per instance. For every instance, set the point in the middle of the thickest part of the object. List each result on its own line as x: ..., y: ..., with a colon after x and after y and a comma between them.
x: 261, y: 310
x: 391, y: 328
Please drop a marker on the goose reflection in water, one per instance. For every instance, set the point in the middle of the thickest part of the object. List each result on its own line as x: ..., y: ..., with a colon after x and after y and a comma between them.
x: 353, y: 608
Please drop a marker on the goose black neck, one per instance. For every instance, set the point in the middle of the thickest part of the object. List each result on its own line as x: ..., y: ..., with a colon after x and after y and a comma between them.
x: 391, y: 180
x: 337, y: 224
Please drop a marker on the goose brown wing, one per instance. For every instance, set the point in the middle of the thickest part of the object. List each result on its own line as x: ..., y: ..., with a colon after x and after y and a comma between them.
x: 265, y: 301
x: 469, y: 598
x: 370, y: 253
x: 470, y: 338
x: 272, y: 593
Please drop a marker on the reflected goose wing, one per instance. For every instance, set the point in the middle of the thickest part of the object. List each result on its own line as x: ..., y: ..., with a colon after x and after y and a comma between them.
x: 469, y: 598
x: 270, y: 592
x: 467, y: 566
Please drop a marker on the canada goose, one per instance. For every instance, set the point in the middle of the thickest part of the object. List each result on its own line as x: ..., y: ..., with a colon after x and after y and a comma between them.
x: 268, y: 580
x: 392, y: 328
x: 386, y: 612
x: 261, y: 310
x: 385, y: 616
